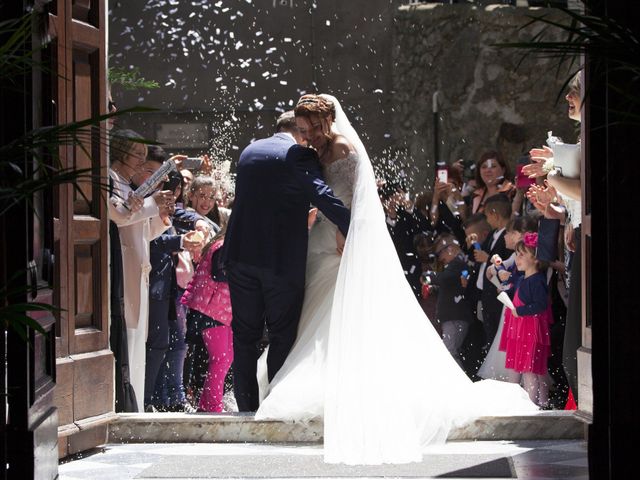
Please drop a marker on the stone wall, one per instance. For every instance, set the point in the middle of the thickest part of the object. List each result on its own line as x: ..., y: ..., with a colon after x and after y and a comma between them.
x: 230, y: 67
x: 227, y: 68
x: 486, y: 99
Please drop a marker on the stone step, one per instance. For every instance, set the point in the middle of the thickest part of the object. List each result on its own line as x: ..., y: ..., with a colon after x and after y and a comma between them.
x: 242, y: 427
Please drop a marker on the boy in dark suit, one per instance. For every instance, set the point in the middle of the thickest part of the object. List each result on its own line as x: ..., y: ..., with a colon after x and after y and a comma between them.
x: 476, y: 230
x: 498, y: 212
x: 454, y: 311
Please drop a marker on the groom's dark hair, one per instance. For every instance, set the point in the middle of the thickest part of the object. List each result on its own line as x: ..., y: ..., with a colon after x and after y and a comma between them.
x: 286, y: 122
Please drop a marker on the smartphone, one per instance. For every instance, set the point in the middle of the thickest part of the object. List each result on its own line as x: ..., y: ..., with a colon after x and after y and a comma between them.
x: 174, y: 182
x: 192, y: 163
x: 443, y: 175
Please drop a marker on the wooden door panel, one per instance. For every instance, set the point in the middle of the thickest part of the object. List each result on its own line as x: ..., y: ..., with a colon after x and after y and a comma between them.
x: 87, y: 11
x: 41, y: 360
x: 85, y: 363
x: 83, y: 196
x: 85, y: 37
x: 84, y: 280
x: 43, y: 372
x: 64, y: 390
x: 93, y: 387
x: 61, y: 234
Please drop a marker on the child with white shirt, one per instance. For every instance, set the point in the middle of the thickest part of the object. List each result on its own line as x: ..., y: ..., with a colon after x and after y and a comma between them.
x: 498, y: 212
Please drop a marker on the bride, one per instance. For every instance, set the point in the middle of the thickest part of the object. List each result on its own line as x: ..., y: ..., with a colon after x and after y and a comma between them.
x: 366, y: 360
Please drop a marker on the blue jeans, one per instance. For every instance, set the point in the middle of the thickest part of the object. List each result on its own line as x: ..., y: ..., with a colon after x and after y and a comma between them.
x: 169, y: 390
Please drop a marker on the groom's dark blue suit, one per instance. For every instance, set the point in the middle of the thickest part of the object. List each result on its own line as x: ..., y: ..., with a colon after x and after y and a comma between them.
x: 266, y: 249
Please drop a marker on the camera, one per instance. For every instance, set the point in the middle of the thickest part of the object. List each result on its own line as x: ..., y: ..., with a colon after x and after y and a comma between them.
x: 175, y: 180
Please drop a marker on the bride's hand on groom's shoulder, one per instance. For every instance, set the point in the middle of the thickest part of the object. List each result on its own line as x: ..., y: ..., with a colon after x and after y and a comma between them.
x: 340, y: 241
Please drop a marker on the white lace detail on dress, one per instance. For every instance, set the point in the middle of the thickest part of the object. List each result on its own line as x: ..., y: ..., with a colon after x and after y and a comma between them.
x: 340, y: 175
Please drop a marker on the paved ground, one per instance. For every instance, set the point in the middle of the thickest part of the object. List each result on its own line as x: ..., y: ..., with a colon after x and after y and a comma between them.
x: 525, y: 460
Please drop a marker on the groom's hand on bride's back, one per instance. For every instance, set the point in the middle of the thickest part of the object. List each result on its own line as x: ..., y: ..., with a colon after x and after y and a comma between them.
x: 340, y: 241
x: 311, y: 220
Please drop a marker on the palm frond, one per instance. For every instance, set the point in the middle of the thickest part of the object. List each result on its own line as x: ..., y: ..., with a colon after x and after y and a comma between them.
x: 15, y: 314
x: 608, y: 45
x: 46, y: 170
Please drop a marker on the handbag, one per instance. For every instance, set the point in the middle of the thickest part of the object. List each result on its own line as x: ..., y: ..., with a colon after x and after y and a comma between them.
x: 184, y: 269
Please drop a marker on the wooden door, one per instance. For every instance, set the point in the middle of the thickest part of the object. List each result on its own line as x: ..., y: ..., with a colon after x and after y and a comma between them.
x: 29, y: 446
x: 84, y: 362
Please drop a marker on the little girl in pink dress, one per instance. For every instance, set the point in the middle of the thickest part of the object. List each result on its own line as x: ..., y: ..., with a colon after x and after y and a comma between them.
x: 207, y: 297
x: 525, y: 336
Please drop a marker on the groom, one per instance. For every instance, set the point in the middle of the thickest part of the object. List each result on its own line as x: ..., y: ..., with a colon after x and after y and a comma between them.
x: 266, y: 249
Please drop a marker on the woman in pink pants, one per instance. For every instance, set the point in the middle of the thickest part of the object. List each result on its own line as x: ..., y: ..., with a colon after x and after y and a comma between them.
x: 207, y: 297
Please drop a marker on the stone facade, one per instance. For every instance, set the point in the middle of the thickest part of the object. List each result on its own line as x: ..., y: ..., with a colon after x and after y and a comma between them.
x: 487, y: 99
x: 227, y: 69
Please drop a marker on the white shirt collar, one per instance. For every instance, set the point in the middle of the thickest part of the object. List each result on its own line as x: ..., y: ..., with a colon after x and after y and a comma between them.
x: 288, y: 135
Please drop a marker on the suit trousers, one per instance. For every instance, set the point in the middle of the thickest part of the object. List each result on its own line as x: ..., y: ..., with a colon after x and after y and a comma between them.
x: 573, y: 328
x: 157, y: 344
x: 453, y: 334
x: 169, y: 391
x: 259, y: 296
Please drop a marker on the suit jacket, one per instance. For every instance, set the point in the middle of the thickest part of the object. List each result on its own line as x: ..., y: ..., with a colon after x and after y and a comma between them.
x: 275, y: 184
x: 452, y: 301
x: 136, y: 231
x: 490, y: 304
x: 162, y: 276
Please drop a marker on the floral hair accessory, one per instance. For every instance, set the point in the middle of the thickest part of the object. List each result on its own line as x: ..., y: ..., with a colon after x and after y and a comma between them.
x: 531, y: 239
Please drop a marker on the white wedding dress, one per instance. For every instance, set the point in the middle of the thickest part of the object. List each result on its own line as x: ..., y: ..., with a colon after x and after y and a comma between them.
x: 367, y: 361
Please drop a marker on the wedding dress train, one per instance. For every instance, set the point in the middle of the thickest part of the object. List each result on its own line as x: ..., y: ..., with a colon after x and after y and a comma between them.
x: 367, y: 360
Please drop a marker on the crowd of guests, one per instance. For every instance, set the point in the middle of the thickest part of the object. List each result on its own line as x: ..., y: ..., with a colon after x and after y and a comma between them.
x: 171, y: 313
x: 495, y: 263
x: 485, y: 256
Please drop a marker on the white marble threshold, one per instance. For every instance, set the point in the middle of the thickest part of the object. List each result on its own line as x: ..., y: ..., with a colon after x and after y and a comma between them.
x: 243, y: 428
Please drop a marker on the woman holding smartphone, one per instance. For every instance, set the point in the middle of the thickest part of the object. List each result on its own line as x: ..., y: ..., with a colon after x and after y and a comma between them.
x: 492, y: 175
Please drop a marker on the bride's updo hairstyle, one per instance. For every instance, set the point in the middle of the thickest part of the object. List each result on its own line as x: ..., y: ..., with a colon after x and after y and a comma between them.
x: 312, y: 104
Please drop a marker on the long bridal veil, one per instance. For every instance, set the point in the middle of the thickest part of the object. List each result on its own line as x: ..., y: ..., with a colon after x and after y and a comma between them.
x: 391, y: 385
